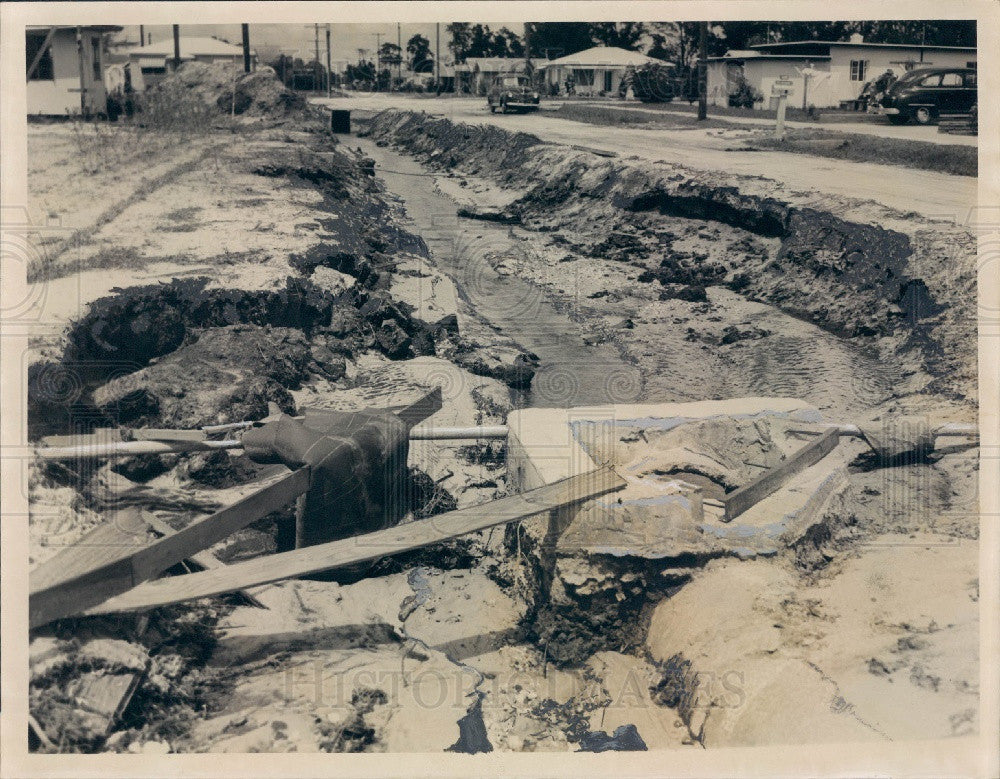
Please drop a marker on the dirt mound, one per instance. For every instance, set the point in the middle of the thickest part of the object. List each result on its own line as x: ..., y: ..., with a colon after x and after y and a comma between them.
x: 257, y: 94
x: 482, y: 149
x: 227, y: 375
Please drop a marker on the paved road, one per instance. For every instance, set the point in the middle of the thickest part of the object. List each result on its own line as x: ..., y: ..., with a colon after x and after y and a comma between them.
x: 932, y: 194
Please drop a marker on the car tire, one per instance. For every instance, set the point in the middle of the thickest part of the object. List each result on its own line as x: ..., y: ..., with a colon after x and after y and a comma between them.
x: 898, y: 118
x: 493, y: 108
x: 923, y: 115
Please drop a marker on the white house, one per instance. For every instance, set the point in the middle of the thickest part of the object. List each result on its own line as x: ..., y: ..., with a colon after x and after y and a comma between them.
x: 157, y: 59
x: 65, y: 68
x: 596, y: 70
x: 825, y: 73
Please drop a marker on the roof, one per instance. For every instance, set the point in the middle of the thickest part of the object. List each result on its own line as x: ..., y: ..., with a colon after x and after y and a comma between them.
x: 734, y: 56
x: 190, y: 47
x: 862, y: 44
x: 498, y: 64
x: 91, y: 27
x: 604, y: 56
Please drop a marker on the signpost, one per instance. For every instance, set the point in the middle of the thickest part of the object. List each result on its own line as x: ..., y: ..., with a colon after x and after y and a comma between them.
x: 781, y: 89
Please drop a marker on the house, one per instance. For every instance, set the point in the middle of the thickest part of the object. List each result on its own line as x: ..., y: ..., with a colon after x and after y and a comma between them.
x: 598, y: 70
x: 824, y: 73
x: 156, y: 60
x: 476, y: 74
x: 65, y: 68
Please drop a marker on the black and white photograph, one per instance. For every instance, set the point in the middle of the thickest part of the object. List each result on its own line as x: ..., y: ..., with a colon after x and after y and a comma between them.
x: 456, y: 381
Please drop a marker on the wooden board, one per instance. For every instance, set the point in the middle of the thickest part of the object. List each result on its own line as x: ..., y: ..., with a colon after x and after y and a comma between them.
x: 749, y: 495
x: 370, y: 546
x: 204, y: 561
x: 102, y: 567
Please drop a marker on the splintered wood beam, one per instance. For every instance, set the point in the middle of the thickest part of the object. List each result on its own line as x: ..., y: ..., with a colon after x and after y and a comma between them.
x: 370, y: 546
x: 90, y: 572
x: 753, y: 493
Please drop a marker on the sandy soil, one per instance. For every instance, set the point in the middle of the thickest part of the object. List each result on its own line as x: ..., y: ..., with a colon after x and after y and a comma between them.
x: 865, y: 629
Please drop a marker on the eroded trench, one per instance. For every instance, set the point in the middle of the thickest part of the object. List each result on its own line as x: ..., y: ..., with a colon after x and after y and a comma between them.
x: 601, y: 290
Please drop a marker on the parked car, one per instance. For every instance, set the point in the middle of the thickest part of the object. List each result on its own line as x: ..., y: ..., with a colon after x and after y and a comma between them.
x: 512, y: 93
x: 923, y: 95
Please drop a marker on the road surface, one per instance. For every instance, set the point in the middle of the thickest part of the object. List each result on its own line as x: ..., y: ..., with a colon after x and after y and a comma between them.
x: 935, y: 195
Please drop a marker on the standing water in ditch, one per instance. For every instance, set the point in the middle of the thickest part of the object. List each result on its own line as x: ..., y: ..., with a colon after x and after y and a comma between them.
x: 572, y: 372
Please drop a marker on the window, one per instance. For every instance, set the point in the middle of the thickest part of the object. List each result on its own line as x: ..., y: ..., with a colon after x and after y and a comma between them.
x: 95, y: 57
x: 970, y: 80
x: 43, y: 71
x: 583, y: 77
x: 931, y: 81
x: 951, y: 80
x: 859, y: 70
x: 970, y: 65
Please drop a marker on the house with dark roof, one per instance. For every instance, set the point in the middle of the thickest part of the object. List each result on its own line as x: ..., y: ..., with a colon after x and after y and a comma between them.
x: 824, y: 73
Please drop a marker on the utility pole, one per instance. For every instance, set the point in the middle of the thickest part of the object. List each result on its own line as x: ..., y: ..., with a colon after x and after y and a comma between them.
x: 702, y: 71
x: 399, y: 46
x: 318, y: 66
x: 246, y: 47
x: 437, y: 57
x: 177, y: 46
x: 328, y: 92
x: 142, y: 35
x: 378, y: 57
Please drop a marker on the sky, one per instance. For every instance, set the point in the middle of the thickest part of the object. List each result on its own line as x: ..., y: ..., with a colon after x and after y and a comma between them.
x: 299, y: 40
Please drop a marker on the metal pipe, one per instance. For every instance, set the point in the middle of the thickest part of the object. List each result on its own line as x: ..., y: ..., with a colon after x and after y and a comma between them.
x: 458, y: 433
x: 950, y: 429
x: 130, y: 448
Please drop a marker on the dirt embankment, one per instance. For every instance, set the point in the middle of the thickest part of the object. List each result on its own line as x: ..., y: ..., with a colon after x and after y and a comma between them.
x: 905, y: 292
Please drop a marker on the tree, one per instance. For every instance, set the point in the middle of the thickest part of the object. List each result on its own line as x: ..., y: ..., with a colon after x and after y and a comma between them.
x: 508, y: 44
x: 658, y: 49
x: 557, y: 39
x: 461, y: 38
x: 419, y: 49
x: 624, y: 35
x: 390, y: 54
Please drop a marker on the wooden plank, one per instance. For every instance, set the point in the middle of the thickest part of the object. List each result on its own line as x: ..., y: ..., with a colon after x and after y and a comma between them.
x: 370, y: 546
x: 739, y: 501
x: 111, y: 573
x: 421, y: 409
x: 204, y: 560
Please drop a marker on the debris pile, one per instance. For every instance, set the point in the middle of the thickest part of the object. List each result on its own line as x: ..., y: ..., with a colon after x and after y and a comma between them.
x: 258, y: 94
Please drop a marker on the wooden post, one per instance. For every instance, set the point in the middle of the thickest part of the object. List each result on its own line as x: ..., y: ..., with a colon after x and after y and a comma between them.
x: 142, y: 35
x: 779, y: 121
x: 437, y: 57
x: 702, y: 71
x: 83, y: 70
x: 177, y: 46
x: 246, y: 47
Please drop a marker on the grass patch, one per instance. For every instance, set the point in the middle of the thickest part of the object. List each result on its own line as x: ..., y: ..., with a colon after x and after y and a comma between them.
x: 618, y: 117
x: 957, y: 160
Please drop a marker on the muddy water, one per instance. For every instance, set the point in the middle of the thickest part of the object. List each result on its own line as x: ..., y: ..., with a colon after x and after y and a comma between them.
x: 482, y: 258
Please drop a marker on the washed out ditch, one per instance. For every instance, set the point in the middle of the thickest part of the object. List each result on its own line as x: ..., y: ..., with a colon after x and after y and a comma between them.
x: 518, y: 277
